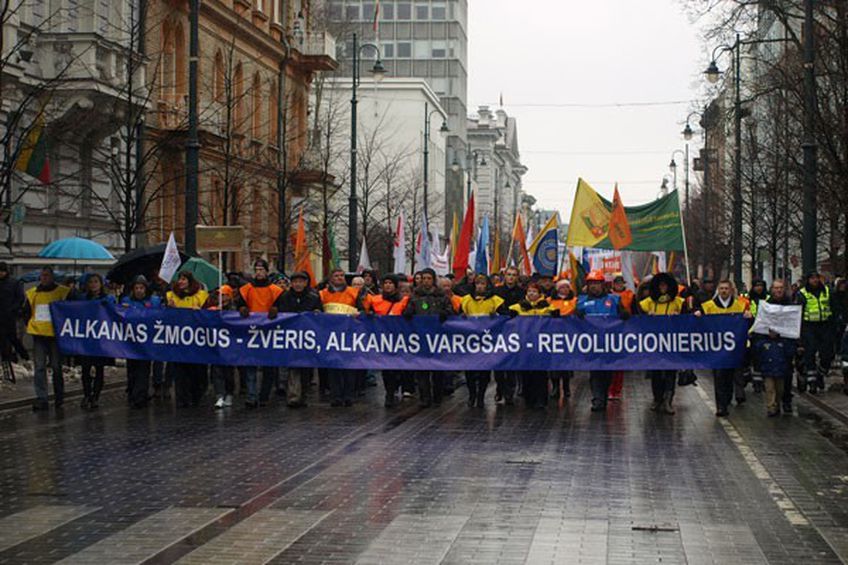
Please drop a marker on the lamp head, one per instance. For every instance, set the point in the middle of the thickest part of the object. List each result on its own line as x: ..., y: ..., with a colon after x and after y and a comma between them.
x: 444, y: 128
x: 378, y: 71
x: 673, y: 165
x: 687, y: 132
x: 713, y: 73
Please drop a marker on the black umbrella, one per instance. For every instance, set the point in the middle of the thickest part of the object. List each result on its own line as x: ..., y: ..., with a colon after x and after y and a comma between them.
x: 143, y: 261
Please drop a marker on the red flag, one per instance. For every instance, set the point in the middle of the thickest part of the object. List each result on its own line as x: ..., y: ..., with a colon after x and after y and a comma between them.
x: 302, y: 257
x: 619, y: 228
x: 463, y: 248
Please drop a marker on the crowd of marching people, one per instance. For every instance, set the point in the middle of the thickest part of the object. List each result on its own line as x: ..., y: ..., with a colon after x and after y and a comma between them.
x: 773, y: 361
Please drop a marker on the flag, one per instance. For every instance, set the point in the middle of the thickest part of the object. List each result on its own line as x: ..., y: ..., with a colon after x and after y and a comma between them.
x: 399, y: 246
x: 481, y: 264
x: 578, y: 272
x: 441, y: 262
x: 619, y: 230
x: 32, y: 158
x: 302, y: 256
x: 495, y: 267
x: 170, y: 261
x: 544, y: 249
x: 653, y: 227
x: 376, y: 15
x: 463, y: 245
x: 628, y: 271
x: 454, y: 236
x: 422, y: 246
x: 329, y: 253
x: 364, y: 259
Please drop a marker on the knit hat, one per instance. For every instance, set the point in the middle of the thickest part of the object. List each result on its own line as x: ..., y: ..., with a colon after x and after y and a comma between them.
x: 395, y: 280
x: 261, y: 263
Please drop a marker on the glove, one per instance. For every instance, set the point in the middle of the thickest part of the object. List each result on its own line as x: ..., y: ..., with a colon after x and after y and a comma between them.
x: 513, y: 313
x: 443, y: 317
x: 555, y: 313
x: 244, y: 312
x: 272, y: 312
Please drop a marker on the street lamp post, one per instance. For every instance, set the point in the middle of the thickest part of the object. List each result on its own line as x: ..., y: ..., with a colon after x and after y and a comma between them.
x: 444, y: 129
x: 672, y: 166
x: 808, y: 233
x: 378, y: 71
x: 192, y: 142
x: 687, y: 136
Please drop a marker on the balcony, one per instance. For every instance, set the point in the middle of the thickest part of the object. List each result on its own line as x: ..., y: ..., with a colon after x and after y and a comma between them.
x: 316, y: 51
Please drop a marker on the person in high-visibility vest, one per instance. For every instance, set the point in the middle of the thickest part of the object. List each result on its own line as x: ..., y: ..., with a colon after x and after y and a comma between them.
x: 817, y: 329
x: 40, y: 327
x: 619, y: 288
x: 726, y: 381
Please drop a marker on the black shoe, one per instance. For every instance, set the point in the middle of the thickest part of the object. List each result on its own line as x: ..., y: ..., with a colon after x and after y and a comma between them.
x: 722, y: 413
x: 40, y: 406
x: 348, y: 403
x: 25, y: 355
x: 598, y: 407
x: 281, y: 392
x: 58, y: 403
x: 510, y: 401
x: 740, y: 400
x: 773, y: 413
x: 336, y: 403
x: 787, y: 408
x: 471, y: 401
x: 251, y: 405
x: 85, y: 404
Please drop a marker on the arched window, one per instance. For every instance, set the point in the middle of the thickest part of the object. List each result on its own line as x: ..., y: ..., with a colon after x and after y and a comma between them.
x: 180, y: 63
x: 273, y: 113
x: 219, y: 77
x: 238, y: 98
x: 166, y: 78
x: 256, y: 108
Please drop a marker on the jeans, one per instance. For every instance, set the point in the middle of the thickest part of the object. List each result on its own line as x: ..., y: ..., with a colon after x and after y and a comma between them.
x: 269, y: 377
x: 161, y: 375
x: 662, y: 384
x: 46, y: 347
x: 505, y: 381
x: 477, y: 382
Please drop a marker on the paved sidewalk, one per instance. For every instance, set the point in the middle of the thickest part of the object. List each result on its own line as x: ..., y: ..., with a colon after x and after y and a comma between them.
x: 21, y: 393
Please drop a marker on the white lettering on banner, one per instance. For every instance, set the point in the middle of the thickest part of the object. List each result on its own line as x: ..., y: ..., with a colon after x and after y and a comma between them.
x: 386, y: 343
x: 191, y: 336
x: 710, y: 342
x: 104, y: 330
x: 279, y: 338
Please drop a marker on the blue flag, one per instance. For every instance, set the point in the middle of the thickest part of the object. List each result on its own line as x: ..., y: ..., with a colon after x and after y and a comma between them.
x: 544, y: 250
x: 481, y: 264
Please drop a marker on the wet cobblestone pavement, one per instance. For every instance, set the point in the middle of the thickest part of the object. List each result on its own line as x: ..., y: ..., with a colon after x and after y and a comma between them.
x: 443, y: 485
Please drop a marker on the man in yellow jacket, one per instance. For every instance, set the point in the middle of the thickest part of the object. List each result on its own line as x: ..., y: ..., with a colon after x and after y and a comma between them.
x: 40, y: 327
x: 663, y: 301
x: 726, y: 381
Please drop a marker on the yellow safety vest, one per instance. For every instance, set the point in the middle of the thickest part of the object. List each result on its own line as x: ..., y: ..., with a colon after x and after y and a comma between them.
x: 710, y: 307
x: 40, y: 322
x: 816, y: 308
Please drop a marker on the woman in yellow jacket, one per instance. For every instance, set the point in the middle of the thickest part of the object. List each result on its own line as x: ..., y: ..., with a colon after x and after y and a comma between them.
x: 663, y: 301
x: 481, y: 302
x: 535, y: 382
x: 190, y: 379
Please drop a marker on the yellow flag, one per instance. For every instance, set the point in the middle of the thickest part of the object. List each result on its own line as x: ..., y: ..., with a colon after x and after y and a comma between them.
x: 590, y: 218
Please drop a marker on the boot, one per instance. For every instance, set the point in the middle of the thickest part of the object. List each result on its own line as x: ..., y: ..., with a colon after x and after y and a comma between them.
x: 666, y: 407
x: 481, y: 398
x: 157, y: 392
x: 845, y: 382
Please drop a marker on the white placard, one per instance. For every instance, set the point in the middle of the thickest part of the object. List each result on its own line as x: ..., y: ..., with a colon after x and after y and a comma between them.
x: 783, y: 320
x: 42, y: 313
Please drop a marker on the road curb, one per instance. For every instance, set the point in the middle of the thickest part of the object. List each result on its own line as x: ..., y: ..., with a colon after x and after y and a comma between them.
x: 825, y: 407
x: 73, y: 393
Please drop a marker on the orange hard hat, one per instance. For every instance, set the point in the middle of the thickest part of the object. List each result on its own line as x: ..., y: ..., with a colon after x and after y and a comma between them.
x: 595, y: 276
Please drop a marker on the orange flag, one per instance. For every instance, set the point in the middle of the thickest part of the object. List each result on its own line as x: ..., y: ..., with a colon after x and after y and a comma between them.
x: 518, y: 236
x: 495, y: 266
x: 302, y: 256
x: 619, y: 228
x: 463, y: 246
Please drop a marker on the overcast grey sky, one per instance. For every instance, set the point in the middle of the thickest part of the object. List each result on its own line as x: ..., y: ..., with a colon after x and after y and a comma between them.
x: 591, y: 52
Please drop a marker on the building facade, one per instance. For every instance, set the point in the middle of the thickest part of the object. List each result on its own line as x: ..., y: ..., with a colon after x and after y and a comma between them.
x: 72, y: 85
x: 425, y: 39
x: 495, y: 167
x: 257, y: 62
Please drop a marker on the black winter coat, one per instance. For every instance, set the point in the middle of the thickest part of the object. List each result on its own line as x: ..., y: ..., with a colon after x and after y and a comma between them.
x: 431, y: 302
x: 296, y: 302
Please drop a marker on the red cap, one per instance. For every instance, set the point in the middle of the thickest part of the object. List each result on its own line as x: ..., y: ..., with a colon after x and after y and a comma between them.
x: 595, y: 276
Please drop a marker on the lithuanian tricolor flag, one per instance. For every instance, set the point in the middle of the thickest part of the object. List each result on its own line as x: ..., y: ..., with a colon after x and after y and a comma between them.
x: 32, y: 158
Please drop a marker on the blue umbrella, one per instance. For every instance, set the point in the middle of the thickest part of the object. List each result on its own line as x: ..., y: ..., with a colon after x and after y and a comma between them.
x: 75, y: 248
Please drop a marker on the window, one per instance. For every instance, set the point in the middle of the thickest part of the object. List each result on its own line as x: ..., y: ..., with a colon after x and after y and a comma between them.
x: 438, y: 12
x: 335, y: 11
x: 368, y: 11
x: 180, y: 62
x: 422, y: 12
x: 257, y: 107
x: 219, y: 77
x: 352, y: 12
x: 387, y: 11
x: 404, y: 50
x: 404, y: 11
x: 238, y: 102
x: 273, y: 112
x: 388, y: 51
x: 439, y: 50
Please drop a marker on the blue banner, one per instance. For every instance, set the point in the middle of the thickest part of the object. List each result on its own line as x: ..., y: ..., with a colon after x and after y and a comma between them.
x: 524, y: 343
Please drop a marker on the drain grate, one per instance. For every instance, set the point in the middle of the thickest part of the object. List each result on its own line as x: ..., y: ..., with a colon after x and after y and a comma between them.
x: 524, y: 462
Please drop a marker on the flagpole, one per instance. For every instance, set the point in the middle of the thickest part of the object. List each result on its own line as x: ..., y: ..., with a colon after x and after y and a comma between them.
x: 685, y: 251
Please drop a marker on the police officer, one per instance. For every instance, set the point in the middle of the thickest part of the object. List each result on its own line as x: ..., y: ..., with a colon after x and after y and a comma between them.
x: 817, y: 331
